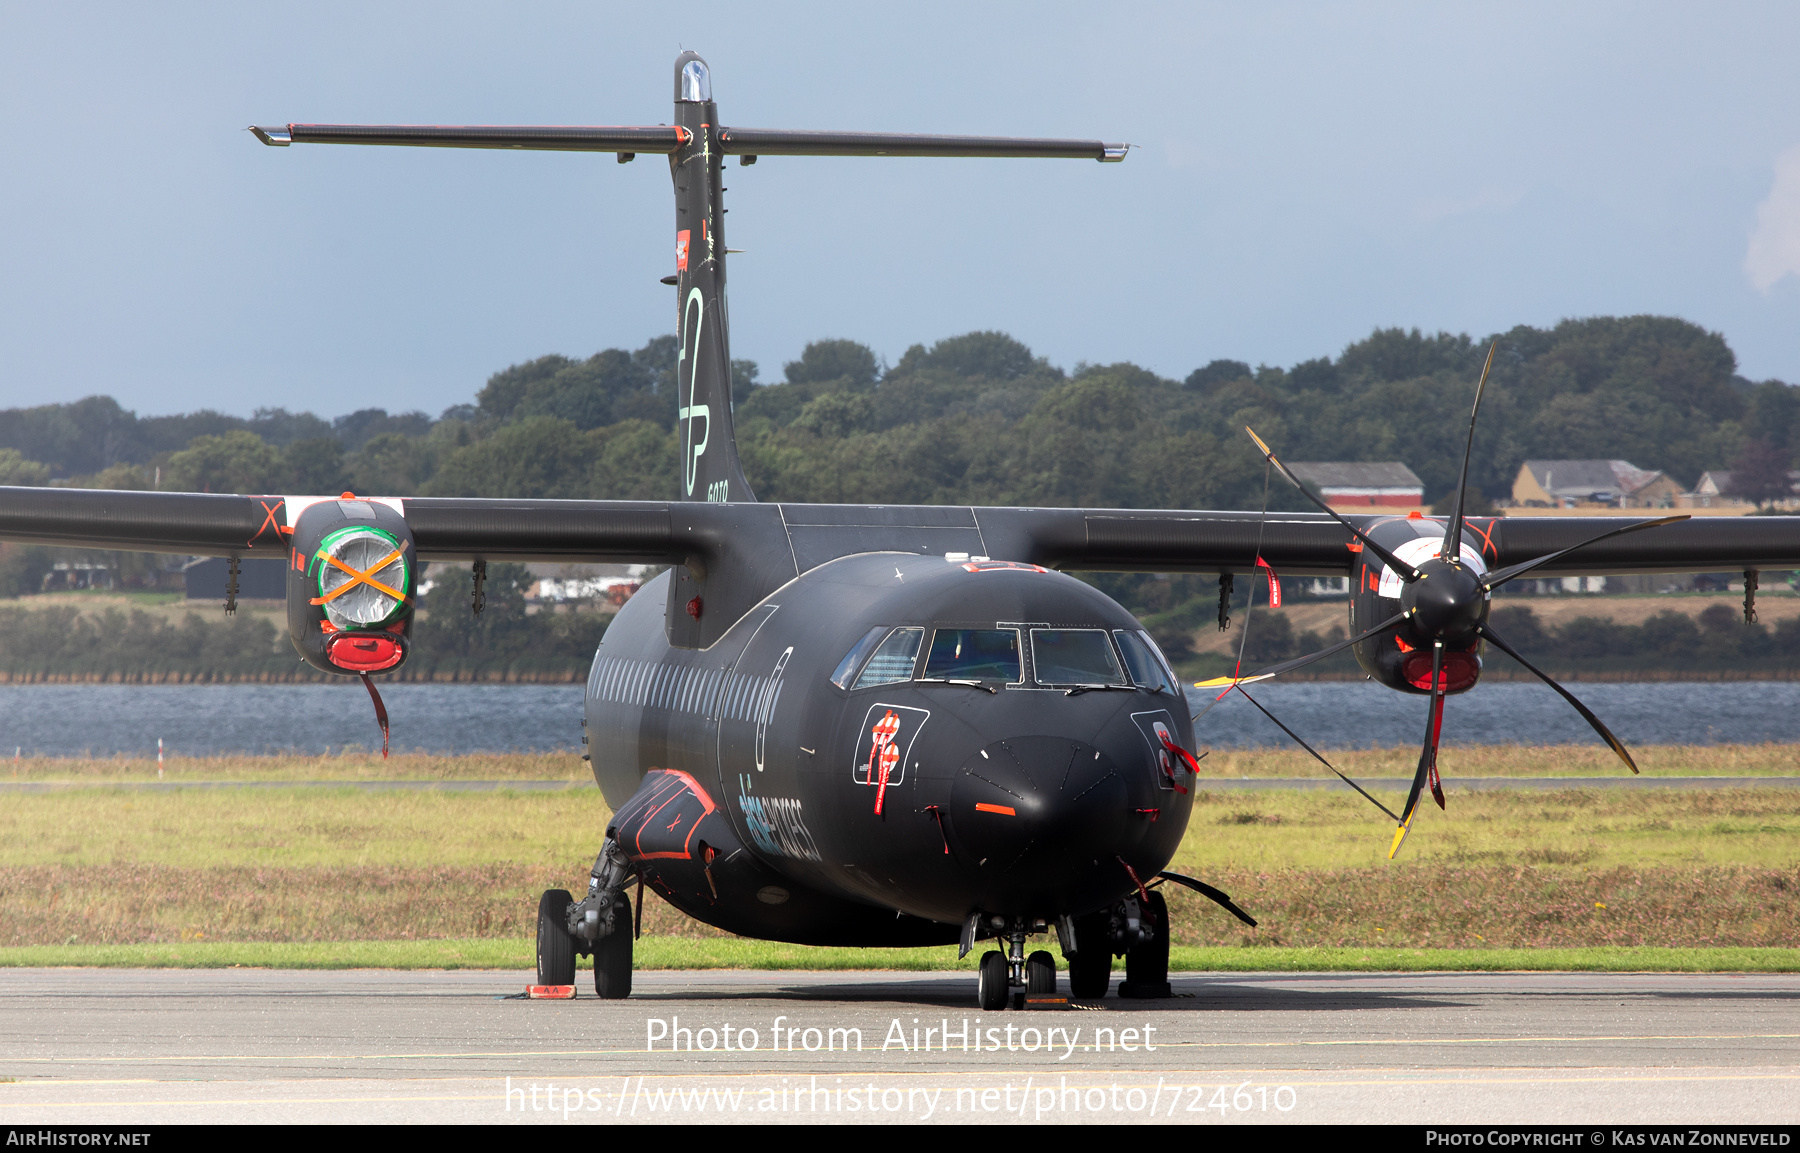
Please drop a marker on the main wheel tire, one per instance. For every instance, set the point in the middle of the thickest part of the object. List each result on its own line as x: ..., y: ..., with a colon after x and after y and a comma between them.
x: 1090, y: 967
x: 612, y: 955
x: 1147, y: 965
x: 992, y: 986
x: 555, y: 948
x: 1040, y: 973
x: 1090, y: 973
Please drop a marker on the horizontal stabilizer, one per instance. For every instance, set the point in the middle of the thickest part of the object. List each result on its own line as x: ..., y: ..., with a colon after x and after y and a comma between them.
x: 733, y: 141
x: 551, y: 138
x: 781, y: 142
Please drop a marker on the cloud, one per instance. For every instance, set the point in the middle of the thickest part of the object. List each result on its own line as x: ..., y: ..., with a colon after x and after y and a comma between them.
x: 1775, y: 245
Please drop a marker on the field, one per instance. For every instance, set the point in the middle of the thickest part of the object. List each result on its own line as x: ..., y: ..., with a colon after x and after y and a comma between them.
x: 320, y: 873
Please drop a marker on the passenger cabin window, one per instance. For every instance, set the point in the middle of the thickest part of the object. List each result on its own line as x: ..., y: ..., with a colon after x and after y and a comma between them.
x: 974, y: 655
x: 854, y: 658
x: 893, y: 661
x: 1143, y: 661
x: 1074, y: 657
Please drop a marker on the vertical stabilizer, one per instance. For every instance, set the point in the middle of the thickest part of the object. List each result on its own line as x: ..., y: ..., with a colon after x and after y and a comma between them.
x: 696, y: 146
x: 709, y: 460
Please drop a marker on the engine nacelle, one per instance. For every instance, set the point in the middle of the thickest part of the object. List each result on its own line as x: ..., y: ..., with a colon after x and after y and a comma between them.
x: 1397, y: 657
x: 350, y: 586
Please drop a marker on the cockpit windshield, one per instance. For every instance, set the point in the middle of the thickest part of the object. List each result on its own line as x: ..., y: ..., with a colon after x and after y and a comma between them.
x: 1074, y: 657
x: 974, y: 655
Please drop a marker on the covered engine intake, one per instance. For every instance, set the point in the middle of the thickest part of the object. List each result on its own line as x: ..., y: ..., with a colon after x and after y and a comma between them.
x: 350, y: 586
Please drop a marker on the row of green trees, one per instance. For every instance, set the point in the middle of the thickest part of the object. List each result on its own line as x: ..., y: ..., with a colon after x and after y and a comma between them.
x: 978, y: 418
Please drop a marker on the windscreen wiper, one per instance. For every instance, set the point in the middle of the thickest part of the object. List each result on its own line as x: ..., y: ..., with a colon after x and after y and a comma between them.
x: 983, y: 685
x: 1099, y: 688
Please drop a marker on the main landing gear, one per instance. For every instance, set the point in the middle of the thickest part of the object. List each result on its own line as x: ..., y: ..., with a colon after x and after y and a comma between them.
x: 1136, y: 928
x: 599, y: 926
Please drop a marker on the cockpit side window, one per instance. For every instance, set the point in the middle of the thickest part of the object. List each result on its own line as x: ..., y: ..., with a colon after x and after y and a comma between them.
x: 1142, y: 661
x: 1163, y: 659
x: 974, y: 655
x: 854, y: 658
x: 894, y: 660
x: 1074, y: 657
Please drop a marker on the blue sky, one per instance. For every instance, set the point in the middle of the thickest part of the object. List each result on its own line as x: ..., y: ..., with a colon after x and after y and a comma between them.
x: 1303, y: 175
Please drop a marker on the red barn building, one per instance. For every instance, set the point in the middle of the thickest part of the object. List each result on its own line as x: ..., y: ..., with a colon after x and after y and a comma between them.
x: 1364, y: 486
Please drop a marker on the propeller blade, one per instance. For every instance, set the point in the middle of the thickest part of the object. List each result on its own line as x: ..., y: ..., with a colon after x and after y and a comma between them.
x: 1298, y: 662
x: 1453, y: 532
x: 1212, y: 894
x: 1406, y: 571
x: 1314, y: 752
x: 1434, y: 725
x: 1495, y: 579
x: 1606, y: 734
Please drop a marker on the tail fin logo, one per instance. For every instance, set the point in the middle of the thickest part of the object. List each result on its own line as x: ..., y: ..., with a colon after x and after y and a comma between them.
x: 693, y: 322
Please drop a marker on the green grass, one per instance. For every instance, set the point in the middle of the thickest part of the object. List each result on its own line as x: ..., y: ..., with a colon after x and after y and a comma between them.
x: 323, y: 827
x: 356, y: 764
x: 1591, y: 828
x: 288, y: 872
x: 1595, y: 828
x: 685, y: 953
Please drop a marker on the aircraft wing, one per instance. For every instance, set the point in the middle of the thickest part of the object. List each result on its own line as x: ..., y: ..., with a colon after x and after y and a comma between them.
x: 1129, y: 540
x: 792, y: 538
x: 209, y: 524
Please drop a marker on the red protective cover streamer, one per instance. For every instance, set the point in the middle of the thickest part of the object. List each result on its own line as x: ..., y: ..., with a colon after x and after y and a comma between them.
x: 1274, y: 583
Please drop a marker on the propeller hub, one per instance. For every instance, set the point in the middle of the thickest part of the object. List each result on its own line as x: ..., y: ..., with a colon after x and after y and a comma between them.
x: 1447, y: 602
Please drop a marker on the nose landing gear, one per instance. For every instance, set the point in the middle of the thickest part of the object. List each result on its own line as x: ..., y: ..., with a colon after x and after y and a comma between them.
x: 1001, y: 973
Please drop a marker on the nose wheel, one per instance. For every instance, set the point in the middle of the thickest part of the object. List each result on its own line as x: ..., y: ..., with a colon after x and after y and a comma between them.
x: 994, y: 982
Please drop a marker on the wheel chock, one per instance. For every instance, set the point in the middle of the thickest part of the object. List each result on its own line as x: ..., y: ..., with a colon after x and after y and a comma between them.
x: 550, y: 992
x: 1145, y: 990
x: 1039, y: 1001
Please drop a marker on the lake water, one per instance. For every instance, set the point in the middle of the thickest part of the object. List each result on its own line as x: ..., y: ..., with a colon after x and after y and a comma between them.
x: 196, y: 720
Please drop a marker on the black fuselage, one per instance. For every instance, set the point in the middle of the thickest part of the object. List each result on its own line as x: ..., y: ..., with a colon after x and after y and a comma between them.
x: 1003, y: 794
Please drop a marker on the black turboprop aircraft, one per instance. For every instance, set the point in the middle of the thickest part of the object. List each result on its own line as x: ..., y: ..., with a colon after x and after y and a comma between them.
x: 857, y: 725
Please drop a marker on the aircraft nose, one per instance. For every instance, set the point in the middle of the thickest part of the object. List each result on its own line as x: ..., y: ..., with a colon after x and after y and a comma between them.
x: 1037, y: 818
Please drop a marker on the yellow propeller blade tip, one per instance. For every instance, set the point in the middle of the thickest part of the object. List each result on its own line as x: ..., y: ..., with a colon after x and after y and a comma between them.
x: 1216, y: 682
x: 1399, y: 836
x: 1267, y: 451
